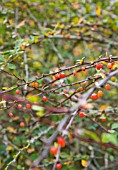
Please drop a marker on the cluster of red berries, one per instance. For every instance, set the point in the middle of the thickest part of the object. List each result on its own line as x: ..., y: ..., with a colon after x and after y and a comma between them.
x: 28, y: 106
x: 61, y: 142
x: 54, y: 150
x: 22, y: 124
x: 95, y: 96
x: 60, y: 76
x: 100, y: 66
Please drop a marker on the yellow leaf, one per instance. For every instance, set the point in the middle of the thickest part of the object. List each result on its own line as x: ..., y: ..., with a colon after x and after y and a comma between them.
x: 33, y: 98
x: 8, y: 148
x: 83, y: 29
x: 1, y: 41
x: 103, y: 62
x: 75, y: 20
x: 80, y: 20
x: 98, y: 11
x: 27, y: 119
x: 32, y: 23
x: 11, y: 129
x: 90, y: 46
x: 37, y: 64
x: 11, y: 21
x: 101, y: 74
x: 103, y: 107
x: 62, y: 26
x: 16, y: 118
x: 5, y: 88
x: 40, y: 113
x: 69, y: 136
x: 67, y: 163
x: 84, y: 163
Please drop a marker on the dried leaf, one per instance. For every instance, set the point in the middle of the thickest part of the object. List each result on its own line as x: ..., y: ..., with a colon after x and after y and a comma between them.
x: 22, y: 23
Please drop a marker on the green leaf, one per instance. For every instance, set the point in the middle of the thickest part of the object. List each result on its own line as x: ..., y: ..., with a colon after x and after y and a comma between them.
x: 37, y: 108
x: 114, y: 126
x: 112, y: 131
x: 106, y: 138
x: 33, y: 156
x: 64, y: 155
x: 111, y: 157
x: 40, y: 81
x: 2, y: 58
x: 11, y: 66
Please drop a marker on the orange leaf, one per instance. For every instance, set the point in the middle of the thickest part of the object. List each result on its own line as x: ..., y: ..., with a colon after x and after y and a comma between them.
x: 30, y: 150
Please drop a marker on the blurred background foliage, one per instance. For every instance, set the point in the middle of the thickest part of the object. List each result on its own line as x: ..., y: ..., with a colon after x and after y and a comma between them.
x: 40, y: 36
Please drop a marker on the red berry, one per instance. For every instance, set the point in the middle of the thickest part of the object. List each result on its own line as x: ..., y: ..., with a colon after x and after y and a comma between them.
x: 28, y: 106
x: 103, y: 119
x: 100, y: 93
x: 95, y: 27
x: 109, y: 65
x: 20, y: 106
x: 53, y: 84
x: 57, y: 76
x: 85, y: 83
x: 53, y: 150
x: 74, y: 73
x: 83, y: 68
x: 94, y: 96
x: 62, y: 75
x: 44, y: 98
x: 58, y: 166
x: 107, y: 86
x: 64, y: 91
x: 99, y: 66
x: 67, y: 36
x: 11, y: 115
x: 17, y: 91
x: 112, y: 64
x: 61, y: 141
x: 81, y: 114
x: 81, y: 89
x: 22, y: 124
